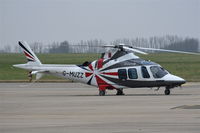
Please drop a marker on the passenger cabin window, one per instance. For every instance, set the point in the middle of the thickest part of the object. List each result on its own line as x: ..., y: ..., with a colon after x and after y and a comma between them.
x: 132, y: 73
x: 158, y: 72
x: 145, y: 73
x: 122, y: 74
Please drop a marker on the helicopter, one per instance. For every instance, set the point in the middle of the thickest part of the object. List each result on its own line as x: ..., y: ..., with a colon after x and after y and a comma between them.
x: 117, y: 69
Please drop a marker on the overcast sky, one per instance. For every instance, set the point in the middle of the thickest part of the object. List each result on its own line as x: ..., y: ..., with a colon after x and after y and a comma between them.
x: 74, y: 20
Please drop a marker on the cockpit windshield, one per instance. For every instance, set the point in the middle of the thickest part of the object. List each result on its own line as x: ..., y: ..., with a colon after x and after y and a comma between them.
x: 158, y: 72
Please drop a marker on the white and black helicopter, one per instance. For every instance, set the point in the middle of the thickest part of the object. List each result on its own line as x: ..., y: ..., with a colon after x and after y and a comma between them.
x: 117, y: 69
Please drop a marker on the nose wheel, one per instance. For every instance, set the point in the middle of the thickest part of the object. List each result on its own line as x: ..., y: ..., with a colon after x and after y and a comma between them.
x: 167, y: 90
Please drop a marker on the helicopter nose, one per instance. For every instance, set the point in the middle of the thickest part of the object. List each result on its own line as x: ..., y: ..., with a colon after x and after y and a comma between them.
x: 179, y: 80
x: 175, y: 79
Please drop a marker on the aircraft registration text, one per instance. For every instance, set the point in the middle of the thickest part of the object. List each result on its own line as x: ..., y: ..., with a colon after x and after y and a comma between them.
x: 74, y: 74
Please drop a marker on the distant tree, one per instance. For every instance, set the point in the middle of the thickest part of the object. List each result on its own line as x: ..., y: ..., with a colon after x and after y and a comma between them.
x: 188, y: 44
x: 168, y: 42
x: 37, y: 47
x: 63, y: 47
x: 92, y: 46
x: 17, y: 49
x: 7, y: 49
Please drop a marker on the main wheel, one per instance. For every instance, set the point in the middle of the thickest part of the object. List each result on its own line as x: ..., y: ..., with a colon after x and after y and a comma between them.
x: 120, y: 92
x: 102, y: 92
x: 167, y: 91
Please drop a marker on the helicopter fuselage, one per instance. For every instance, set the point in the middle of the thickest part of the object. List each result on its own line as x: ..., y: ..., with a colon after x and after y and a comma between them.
x: 114, y: 70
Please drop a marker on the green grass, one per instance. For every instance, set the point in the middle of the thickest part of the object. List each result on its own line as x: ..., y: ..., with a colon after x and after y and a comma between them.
x: 185, y: 66
x: 8, y: 72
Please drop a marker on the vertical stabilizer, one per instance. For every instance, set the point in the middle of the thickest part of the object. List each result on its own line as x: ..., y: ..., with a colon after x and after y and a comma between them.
x: 31, y: 57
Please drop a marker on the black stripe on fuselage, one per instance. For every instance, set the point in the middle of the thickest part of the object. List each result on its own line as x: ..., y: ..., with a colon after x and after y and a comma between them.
x: 25, y: 48
x: 89, y: 82
x: 119, y: 54
x: 126, y: 63
x: 83, y: 67
x: 106, y: 61
x: 129, y: 63
x: 137, y: 83
x: 116, y: 55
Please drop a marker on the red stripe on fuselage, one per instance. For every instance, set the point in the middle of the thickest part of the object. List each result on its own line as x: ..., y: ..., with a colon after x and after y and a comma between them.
x: 102, y: 84
x: 87, y: 74
x: 90, y: 66
x: 100, y: 63
x: 109, y: 55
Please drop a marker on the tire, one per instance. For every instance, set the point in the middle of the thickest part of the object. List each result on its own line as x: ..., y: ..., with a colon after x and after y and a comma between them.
x: 102, y: 92
x: 167, y: 91
x: 120, y: 92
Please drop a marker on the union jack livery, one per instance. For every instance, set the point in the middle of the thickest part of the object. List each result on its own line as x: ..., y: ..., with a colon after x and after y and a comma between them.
x: 117, y: 69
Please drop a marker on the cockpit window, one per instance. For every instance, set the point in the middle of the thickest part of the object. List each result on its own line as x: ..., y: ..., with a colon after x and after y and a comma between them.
x: 158, y: 72
x: 145, y: 73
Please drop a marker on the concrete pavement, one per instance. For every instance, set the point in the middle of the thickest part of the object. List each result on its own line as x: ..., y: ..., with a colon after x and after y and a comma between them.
x: 74, y: 107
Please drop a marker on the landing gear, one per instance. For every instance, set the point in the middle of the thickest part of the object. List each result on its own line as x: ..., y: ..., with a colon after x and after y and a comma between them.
x: 167, y: 90
x: 120, y: 92
x: 102, y: 92
x: 30, y: 76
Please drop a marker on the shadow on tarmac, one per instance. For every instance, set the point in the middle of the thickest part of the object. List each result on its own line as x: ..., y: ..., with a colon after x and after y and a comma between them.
x: 109, y: 95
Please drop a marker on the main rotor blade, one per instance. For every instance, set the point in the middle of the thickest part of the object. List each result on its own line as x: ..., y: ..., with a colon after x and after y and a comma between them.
x: 110, y: 46
x: 165, y: 50
x: 122, y: 46
x: 134, y: 50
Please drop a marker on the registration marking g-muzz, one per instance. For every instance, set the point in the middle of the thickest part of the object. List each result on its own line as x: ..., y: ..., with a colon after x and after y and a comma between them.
x: 74, y: 74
